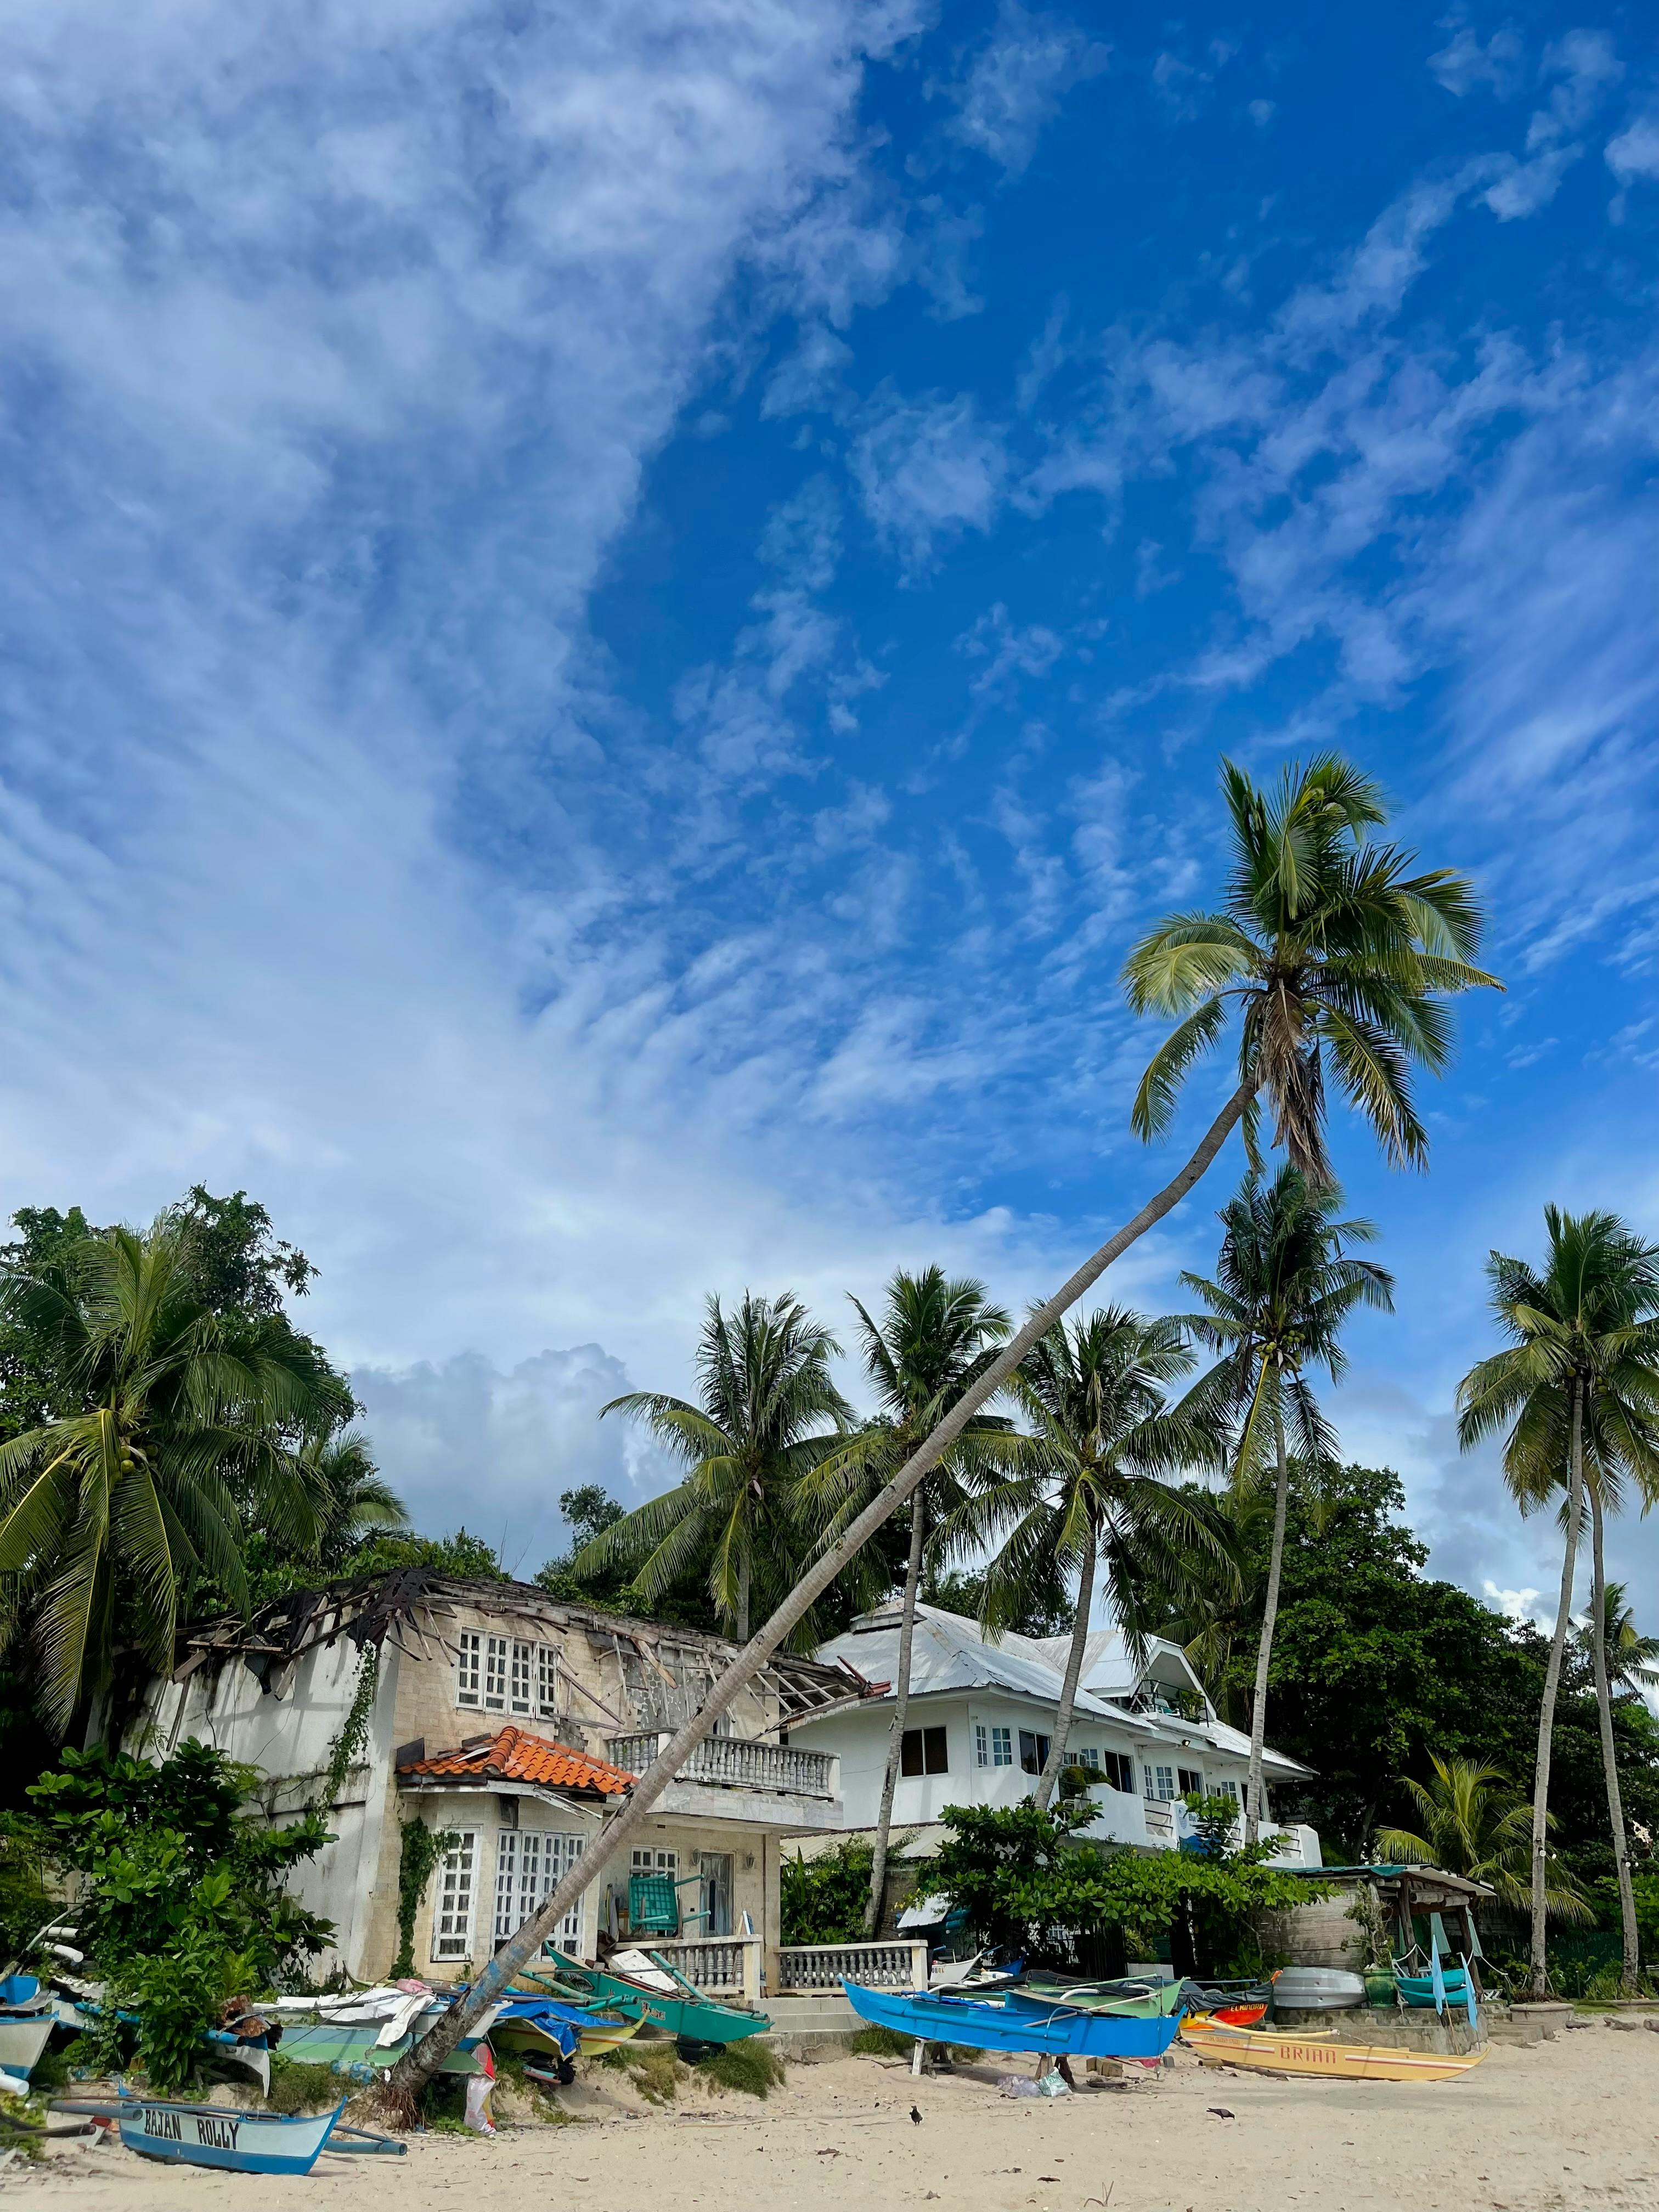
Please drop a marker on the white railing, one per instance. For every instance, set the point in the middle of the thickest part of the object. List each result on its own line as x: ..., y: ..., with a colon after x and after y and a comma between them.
x: 725, y: 1965
x: 1160, y: 1821
x: 899, y: 1965
x: 734, y: 1762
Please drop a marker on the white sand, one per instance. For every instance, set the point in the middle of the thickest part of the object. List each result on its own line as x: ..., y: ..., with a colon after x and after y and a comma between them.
x: 1571, y: 2123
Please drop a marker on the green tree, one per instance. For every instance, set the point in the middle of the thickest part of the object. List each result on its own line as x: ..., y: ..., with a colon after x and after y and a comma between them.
x: 1091, y: 1489
x: 116, y: 1513
x: 180, y: 1901
x: 1471, y: 1822
x: 1632, y: 1659
x: 1339, y: 945
x: 936, y: 1336
x: 1335, y: 955
x: 1576, y: 1388
x: 769, y: 1412
x: 1283, y: 1287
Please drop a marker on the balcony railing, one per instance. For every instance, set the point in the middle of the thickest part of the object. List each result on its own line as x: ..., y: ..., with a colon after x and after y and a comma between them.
x: 732, y: 1762
x: 724, y: 1965
x: 1160, y: 1821
x: 901, y: 1965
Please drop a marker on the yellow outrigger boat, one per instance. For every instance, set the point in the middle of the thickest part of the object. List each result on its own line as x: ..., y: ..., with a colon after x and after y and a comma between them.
x: 1271, y: 2051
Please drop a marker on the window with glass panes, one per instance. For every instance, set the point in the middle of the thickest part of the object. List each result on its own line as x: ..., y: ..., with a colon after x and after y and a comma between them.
x: 924, y: 1751
x: 1033, y: 1752
x: 1119, y: 1769
x: 529, y: 1864
x: 1160, y: 1783
x: 451, y: 1911
x: 506, y: 1674
x: 1190, y: 1782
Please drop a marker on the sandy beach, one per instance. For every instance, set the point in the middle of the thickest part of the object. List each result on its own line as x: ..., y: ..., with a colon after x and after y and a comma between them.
x: 1568, y: 2124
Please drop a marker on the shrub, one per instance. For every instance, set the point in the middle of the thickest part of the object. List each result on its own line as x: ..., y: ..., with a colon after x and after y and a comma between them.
x: 881, y: 2043
x: 822, y: 1900
x: 753, y: 2067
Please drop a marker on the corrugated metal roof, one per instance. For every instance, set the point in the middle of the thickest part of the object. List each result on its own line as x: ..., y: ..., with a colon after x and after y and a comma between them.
x: 948, y: 1653
x: 513, y: 1755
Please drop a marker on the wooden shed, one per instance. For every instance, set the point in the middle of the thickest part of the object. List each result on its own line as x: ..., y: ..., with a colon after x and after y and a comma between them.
x: 1378, y: 1915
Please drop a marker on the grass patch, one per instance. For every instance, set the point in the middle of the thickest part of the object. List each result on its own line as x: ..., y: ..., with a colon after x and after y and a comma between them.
x: 296, y: 2087
x: 751, y: 2066
x: 654, y: 2070
x: 881, y: 2043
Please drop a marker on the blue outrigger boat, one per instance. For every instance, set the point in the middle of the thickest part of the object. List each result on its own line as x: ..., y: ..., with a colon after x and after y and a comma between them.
x: 179, y: 2134
x: 1010, y: 2019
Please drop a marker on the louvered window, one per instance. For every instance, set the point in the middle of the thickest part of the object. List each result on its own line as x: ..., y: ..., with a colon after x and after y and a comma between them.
x: 452, y: 1915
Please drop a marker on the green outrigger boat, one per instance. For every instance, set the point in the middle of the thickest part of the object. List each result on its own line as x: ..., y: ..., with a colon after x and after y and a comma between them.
x: 1131, y: 1999
x: 642, y: 1983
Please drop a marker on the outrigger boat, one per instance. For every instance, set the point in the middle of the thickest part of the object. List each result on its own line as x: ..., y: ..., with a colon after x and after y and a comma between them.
x: 1268, y: 2051
x: 1009, y: 2020
x: 643, y: 1982
x: 1132, y: 1999
x: 179, y: 2134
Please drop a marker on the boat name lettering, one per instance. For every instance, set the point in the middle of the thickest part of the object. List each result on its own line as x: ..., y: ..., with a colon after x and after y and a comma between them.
x: 216, y: 2134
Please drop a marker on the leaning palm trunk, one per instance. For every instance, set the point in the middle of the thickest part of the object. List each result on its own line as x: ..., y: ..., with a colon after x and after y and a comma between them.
x: 417, y: 2066
x: 1609, y: 1751
x: 1255, y: 1810
x: 1056, y: 1759
x: 1540, y: 1787
x: 878, y: 1896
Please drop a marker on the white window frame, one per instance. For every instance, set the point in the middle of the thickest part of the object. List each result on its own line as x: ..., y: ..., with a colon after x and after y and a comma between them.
x: 1199, y: 1787
x: 457, y: 1896
x: 468, y: 1676
x: 1160, y: 1784
x: 1089, y: 1755
x: 1119, y: 1764
x: 1002, y: 1747
x: 529, y: 1864
x: 496, y: 1654
x: 981, y: 1744
x: 547, y: 1679
x: 649, y: 1861
x: 521, y: 1679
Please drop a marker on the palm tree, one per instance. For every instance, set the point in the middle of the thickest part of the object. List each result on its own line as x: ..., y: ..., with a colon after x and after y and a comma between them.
x: 1577, y: 1390
x: 117, y: 1512
x: 1632, y: 1659
x: 936, y: 1336
x: 1220, y: 1610
x: 354, y: 1497
x: 767, y: 1395
x: 1092, y: 1488
x: 1474, y: 1825
x: 1283, y: 1287
x: 1334, y: 952
x: 1326, y: 939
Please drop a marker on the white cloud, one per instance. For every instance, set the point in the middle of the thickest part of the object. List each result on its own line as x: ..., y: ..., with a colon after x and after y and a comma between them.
x: 1635, y: 151
x: 1013, y: 89
x: 1466, y: 61
x: 927, y: 470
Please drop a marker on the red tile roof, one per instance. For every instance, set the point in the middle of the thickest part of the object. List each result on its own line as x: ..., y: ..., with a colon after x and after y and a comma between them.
x: 514, y: 1756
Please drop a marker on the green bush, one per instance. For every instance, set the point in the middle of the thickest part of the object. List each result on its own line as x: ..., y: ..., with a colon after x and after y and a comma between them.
x: 180, y: 1903
x: 823, y: 1900
x: 881, y: 2043
x: 752, y: 2066
x: 296, y: 2087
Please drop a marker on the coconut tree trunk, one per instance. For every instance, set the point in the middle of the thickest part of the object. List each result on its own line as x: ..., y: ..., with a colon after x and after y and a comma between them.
x: 1085, y: 1591
x: 1609, y: 1750
x: 1255, y: 1810
x: 1540, y: 1785
x: 742, y: 1599
x: 417, y: 2066
x: 878, y: 1896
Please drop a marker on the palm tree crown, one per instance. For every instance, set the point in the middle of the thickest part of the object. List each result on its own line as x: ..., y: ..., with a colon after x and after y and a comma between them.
x: 769, y: 1411
x: 118, y: 1512
x: 1632, y: 1659
x: 1474, y: 1825
x: 1336, y: 954
x: 1092, y: 1487
x: 1284, y: 1286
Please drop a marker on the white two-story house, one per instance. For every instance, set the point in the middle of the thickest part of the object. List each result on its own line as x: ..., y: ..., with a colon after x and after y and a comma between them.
x: 981, y: 1718
x: 513, y: 1720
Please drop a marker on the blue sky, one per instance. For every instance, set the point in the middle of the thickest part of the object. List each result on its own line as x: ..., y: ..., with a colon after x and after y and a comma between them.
x: 617, y: 616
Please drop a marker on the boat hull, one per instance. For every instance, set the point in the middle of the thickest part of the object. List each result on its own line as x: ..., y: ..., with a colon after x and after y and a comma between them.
x: 687, y: 2019
x: 236, y: 2143
x: 998, y: 2023
x: 1128, y: 2001
x: 1266, y: 2050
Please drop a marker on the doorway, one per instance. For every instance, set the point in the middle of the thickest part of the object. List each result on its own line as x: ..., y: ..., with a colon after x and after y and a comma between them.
x: 715, y: 1868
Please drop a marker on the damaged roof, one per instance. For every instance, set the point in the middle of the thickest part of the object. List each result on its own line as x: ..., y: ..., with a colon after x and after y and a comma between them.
x: 513, y: 1755
x: 413, y: 1608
